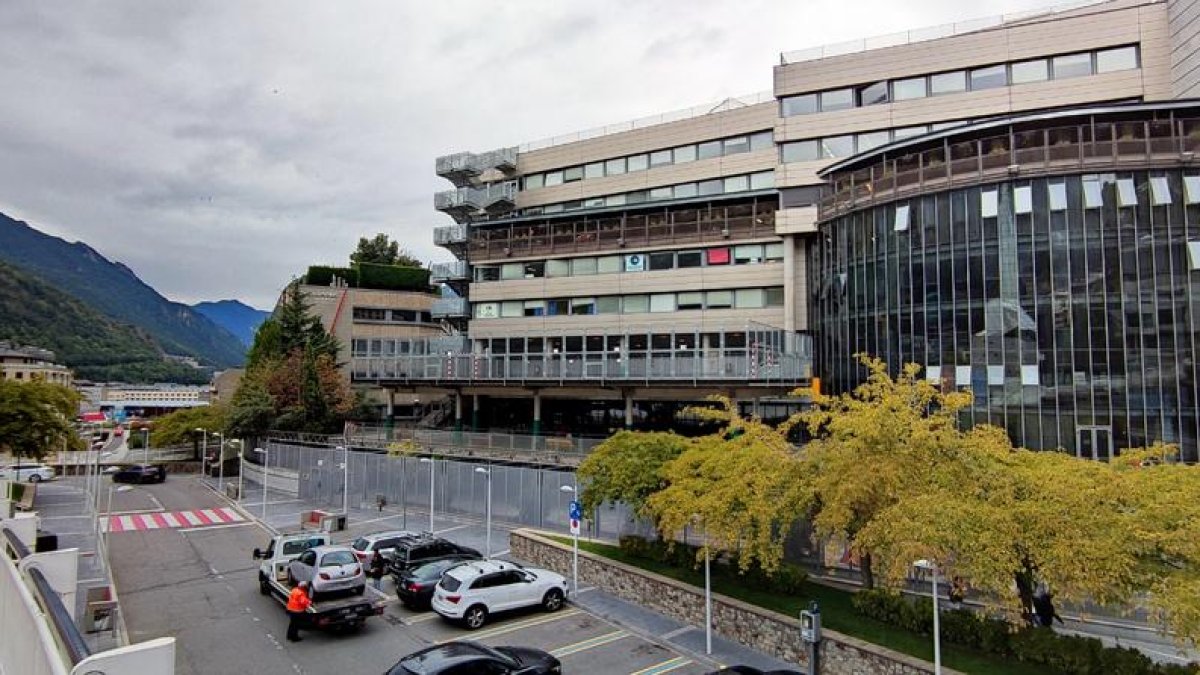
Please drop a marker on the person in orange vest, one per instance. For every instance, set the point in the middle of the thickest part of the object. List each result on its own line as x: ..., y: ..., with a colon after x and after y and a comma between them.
x: 297, y: 603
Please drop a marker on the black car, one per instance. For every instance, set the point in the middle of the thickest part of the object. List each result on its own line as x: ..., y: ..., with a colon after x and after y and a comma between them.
x: 141, y: 473
x: 751, y: 670
x: 462, y: 657
x: 414, y: 586
x: 413, y: 551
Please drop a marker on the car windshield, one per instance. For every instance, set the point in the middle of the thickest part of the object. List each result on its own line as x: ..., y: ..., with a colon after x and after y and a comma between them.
x: 360, y: 544
x: 336, y: 558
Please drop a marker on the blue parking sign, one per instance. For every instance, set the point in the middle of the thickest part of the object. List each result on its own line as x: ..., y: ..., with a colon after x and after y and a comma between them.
x: 575, y: 511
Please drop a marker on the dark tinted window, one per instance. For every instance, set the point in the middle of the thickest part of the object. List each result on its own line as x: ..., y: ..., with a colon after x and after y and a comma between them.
x: 486, y: 581
x: 450, y: 583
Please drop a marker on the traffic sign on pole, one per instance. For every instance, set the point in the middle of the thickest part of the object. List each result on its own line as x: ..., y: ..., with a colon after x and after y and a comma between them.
x: 575, y: 526
x: 575, y: 511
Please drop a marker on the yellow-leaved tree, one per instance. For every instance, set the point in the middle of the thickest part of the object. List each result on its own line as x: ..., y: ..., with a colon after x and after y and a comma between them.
x: 627, y: 468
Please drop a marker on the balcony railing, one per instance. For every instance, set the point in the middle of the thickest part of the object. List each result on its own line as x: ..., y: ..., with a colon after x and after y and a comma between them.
x: 464, y: 167
x: 682, y: 367
x: 466, y: 201
x: 449, y: 271
x: 448, y: 308
x: 1089, y: 147
x: 449, y: 234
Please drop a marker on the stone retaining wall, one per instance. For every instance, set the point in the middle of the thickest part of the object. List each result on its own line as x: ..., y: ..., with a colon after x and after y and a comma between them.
x: 759, y: 629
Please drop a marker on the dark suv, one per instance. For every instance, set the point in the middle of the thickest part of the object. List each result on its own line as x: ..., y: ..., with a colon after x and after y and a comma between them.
x: 472, y: 658
x: 412, y: 551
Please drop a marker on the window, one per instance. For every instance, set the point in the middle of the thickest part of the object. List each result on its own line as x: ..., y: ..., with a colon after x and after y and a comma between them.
x: 685, y: 190
x: 691, y: 300
x: 572, y: 205
x: 610, y: 304
x: 1191, y: 188
x: 510, y: 271
x: 803, y: 104
x: 1126, y: 193
x: 837, y: 99
x: 614, y: 167
x: 737, y: 145
x: 873, y: 139
x: 773, y: 296
x: 989, y: 205
x: 593, y: 202
x: 535, y: 308
x: 800, y: 151
x: 1121, y: 58
x: 711, y: 187
x: 773, y: 252
x: 1093, y: 196
x: 900, y: 224
x: 1023, y: 199
x: 534, y: 270
x: 558, y: 307
x: 737, y: 184
x: 615, y: 200
x: 718, y: 256
x: 1160, y: 192
x: 763, y: 180
x: 554, y: 178
x: 1058, y: 196
x: 720, y: 299
x: 685, y: 153
x: 748, y: 298
x: 662, y: 261
x: 948, y: 83
x: 636, y: 197
x: 837, y: 146
x: 989, y: 77
x: 488, y: 273
x: 689, y: 259
x: 512, y: 308
x: 639, y: 162
x: 635, y: 262
x: 534, y: 181
x: 873, y: 93
x: 593, y: 170
x: 583, y: 306
x: 904, y: 90
x: 1194, y: 254
x: 552, y: 208
x: 761, y: 141
x: 657, y: 194
x: 582, y: 267
x: 635, y: 304
x: 662, y: 302
x: 709, y: 149
x: 660, y: 158
x: 908, y: 132
x: 747, y: 254
x: 1072, y: 65
x: 1037, y: 70
x: 610, y: 264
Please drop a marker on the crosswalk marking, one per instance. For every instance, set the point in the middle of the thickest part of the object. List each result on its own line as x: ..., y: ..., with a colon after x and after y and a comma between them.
x: 166, y: 520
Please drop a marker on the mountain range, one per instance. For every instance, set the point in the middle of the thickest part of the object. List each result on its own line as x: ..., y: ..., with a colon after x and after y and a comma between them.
x: 234, y: 316
x: 110, y: 289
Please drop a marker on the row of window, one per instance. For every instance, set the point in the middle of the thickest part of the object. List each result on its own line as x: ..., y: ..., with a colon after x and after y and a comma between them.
x: 380, y: 347
x: 746, y: 254
x: 391, y: 315
x: 849, y: 145
x: 1126, y: 192
x: 975, y: 79
x: 648, y: 160
x: 741, y: 298
x: 763, y: 180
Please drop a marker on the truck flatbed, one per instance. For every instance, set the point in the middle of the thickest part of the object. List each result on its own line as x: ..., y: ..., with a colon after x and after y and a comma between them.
x: 349, y: 611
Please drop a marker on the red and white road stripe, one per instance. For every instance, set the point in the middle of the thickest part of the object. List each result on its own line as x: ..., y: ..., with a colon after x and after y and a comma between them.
x: 173, y: 520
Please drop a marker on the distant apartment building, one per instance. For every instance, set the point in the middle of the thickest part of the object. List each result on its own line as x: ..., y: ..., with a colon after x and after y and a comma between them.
x: 25, y: 364
x: 610, y: 278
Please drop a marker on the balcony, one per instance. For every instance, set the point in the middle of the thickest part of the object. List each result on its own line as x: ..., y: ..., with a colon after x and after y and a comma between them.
x: 449, y: 235
x: 464, y: 168
x: 444, y: 272
x: 450, y: 308
x: 465, y: 202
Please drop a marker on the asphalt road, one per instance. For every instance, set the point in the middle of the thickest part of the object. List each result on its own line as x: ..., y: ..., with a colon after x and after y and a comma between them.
x: 199, y: 584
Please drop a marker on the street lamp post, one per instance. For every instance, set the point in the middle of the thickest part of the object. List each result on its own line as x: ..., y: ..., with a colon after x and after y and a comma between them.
x: 931, y: 565
x: 488, y: 473
x: 204, y: 452
x: 707, y: 598
x: 574, y: 535
x: 241, y: 472
x: 220, y: 460
x: 266, y: 466
x: 145, y: 445
x: 108, y: 510
x: 426, y: 460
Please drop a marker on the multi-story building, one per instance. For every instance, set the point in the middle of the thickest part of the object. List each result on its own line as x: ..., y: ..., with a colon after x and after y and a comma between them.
x: 23, y: 364
x: 612, y: 277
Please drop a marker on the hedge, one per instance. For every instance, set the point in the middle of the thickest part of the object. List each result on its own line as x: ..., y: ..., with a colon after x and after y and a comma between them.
x: 787, y: 579
x: 1065, y: 654
x: 322, y: 275
x: 371, y: 276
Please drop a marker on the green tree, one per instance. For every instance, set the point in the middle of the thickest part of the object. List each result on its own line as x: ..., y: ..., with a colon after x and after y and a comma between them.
x: 626, y: 468
x: 36, y: 417
x: 382, y: 251
x: 179, y: 427
x: 252, y: 411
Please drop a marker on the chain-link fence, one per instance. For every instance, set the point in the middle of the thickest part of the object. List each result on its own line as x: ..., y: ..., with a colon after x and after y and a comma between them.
x: 524, y: 496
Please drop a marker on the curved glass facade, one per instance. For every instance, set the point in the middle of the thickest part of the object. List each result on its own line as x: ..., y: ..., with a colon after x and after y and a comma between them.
x: 1066, y: 302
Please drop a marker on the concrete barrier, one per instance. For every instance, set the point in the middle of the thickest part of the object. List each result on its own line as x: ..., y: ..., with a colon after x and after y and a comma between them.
x: 279, y: 480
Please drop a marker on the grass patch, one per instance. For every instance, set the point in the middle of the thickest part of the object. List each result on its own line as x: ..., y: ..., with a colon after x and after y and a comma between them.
x: 836, y: 614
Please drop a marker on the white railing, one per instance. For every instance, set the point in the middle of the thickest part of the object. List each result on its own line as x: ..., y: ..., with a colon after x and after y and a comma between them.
x: 446, y: 271
x: 449, y: 234
x: 924, y: 34
x: 453, y: 307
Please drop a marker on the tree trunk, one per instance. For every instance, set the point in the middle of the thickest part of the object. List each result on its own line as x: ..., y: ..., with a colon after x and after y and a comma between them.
x: 868, y: 576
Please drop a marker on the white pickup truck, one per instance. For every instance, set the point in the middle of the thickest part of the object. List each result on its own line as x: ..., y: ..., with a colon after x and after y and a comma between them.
x: 348, y: 613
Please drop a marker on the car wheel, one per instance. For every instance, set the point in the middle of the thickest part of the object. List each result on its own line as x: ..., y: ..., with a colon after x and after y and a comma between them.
x: 553, y: 600
x: 35, y: 478
x: 475, y: 617
x: 264, y: 586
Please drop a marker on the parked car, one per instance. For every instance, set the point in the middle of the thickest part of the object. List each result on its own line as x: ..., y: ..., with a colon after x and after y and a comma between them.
x: 141, y: 473
x: 462, y: 656
x: 383, y: 542
x: 473, y: 591
x: 422, y: 548
x: 328, y: 570
x: 751, y: 670
x: 415, y: 585
x: 34, y: 473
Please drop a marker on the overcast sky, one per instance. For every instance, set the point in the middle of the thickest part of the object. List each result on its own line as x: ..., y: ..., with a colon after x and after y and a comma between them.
x: 219, y: 148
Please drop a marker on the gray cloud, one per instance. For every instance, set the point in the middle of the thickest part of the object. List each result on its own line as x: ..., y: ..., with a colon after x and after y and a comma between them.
x: 220, y: 148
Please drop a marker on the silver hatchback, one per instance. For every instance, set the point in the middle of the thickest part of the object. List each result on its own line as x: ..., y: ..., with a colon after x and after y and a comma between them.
x: 328, y: 570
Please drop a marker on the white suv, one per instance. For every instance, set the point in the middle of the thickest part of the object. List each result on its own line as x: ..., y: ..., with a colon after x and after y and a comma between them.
x: 34, y: 473
x: 474, y: 590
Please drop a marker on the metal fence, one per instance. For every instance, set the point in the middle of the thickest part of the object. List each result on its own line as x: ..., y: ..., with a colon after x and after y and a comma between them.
x: 525, y: 496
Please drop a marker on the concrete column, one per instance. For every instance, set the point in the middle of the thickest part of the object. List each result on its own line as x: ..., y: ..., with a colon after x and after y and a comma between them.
x: 475, y: 412
x: 458, y: 423
x: 628, y: 410
x: 789, y: 284
x: 537, y: 413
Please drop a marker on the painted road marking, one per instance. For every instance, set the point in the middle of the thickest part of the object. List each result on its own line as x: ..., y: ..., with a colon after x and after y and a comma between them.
x: 171, y: 520
x: 508, y: 628
x: 584, y: 645
x: 174, y: 520
x: 664, y: 667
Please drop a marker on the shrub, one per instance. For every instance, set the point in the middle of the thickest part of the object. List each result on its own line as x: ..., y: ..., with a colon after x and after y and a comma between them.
x: 392, y: 277
x: 322, y: 275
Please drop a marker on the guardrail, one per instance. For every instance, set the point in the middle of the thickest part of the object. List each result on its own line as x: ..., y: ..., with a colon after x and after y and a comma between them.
x: 65, y: 634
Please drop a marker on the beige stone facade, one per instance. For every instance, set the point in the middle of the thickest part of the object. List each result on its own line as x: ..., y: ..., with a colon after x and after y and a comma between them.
x: 25, y: 364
